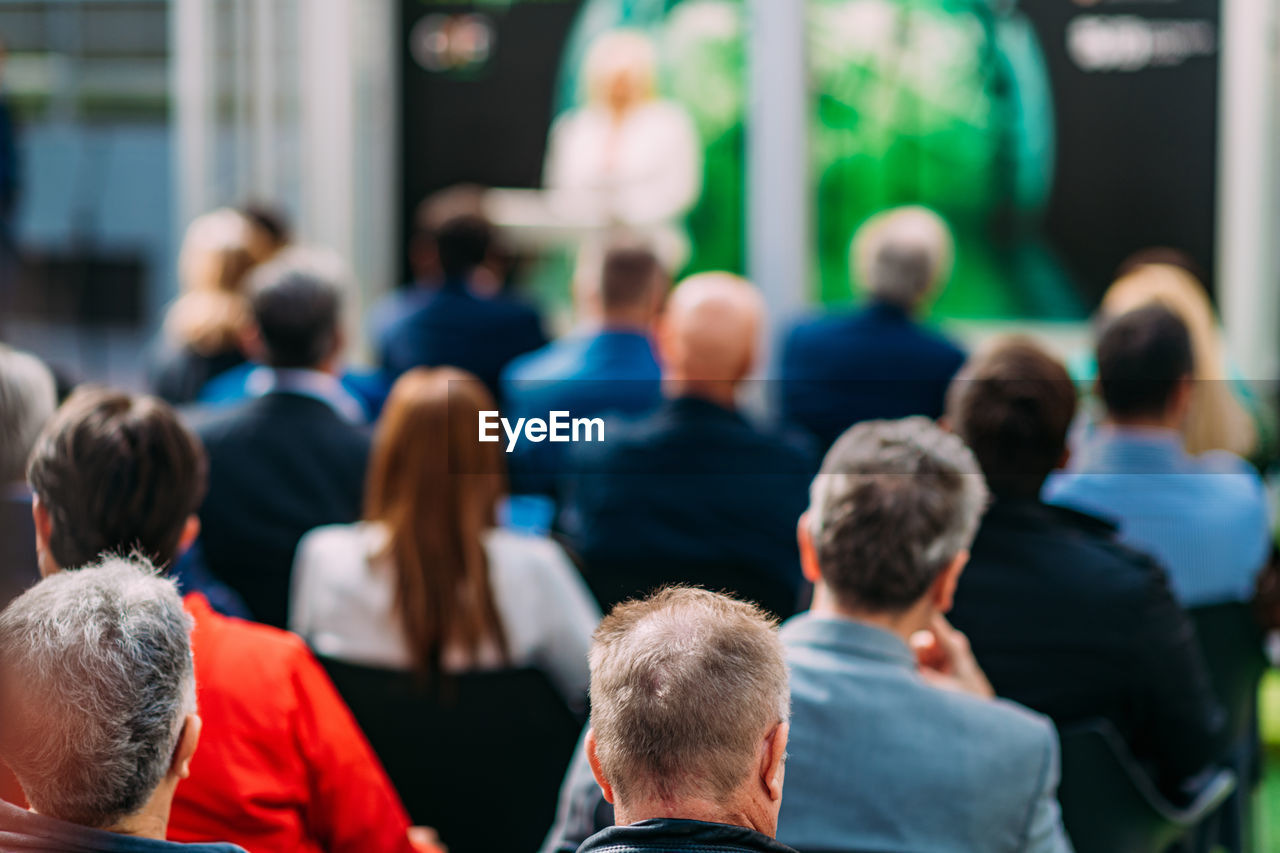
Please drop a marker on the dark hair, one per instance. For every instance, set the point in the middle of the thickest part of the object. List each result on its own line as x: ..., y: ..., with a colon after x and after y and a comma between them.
x: 1143, y: 355
x: 463, y: 244
x: 297, y: 313
x: 270, y: 220
x: 117, y: 474
x: 1013, y: 405
x: 629, y: 278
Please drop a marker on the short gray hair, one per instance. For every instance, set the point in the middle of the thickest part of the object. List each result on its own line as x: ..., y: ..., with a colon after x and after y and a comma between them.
x: 894, y: 503
x: 901, y: 255
x: 28, y: 398
x: 684, y: 685
x: 99, y: 680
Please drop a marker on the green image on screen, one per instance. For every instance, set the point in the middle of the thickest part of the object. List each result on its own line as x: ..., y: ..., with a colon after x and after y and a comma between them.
x: 944, y: 103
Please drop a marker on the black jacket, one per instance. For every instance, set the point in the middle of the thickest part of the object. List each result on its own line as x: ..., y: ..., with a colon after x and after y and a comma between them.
x: 686, y: 836
x: 690, y: 494
x: 279, y: 465
x: 1069, y: 622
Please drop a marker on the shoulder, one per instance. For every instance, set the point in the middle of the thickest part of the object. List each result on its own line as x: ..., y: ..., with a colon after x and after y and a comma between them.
x: 274, y: 652
x: 511, y: 552
x: 1009, y: 734
x: 335, y: 544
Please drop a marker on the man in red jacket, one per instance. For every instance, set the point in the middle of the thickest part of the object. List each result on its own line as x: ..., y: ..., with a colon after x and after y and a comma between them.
x: 282, y: 765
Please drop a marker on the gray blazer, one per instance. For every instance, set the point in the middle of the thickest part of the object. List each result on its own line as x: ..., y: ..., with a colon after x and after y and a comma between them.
x: 879, y: 761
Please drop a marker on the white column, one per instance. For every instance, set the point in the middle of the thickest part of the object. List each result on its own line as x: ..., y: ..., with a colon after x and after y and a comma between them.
x: 779, y: 200
x: 191, y: 27
x: 1249, y: 187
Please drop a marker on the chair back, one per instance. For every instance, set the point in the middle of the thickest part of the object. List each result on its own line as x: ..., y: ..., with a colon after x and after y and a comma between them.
x: 1232, y: 644
x: 478, y: 756
x: 1109, y: 803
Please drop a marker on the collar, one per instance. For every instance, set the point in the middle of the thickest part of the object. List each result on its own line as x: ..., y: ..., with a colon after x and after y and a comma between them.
x: 1114, y: 447
x: 840, y: 634
x: 673, y: 833
x: 886, y: 311
x: 1028, y: 511
x: 315, y: 384
x: 700, y: 407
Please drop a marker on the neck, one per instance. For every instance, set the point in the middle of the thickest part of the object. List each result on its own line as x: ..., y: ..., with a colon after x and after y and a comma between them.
x: 745, y: 814
x: 901, y: 624
x: 626, y: 321
x: 1149, y: 422
x: 723, y: 393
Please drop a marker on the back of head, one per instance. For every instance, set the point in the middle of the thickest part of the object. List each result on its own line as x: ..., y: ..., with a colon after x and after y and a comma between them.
x: 28, y: 396
x: 631, y: 282
x: 1217, y: 420
x: 436, y: 488
x: 117, y: 474
x: 710, y: 327
x: 268, y: 229
x: 684, y: 687
x: 297, y: 303
x: 463, y: 243
x: 902, y: 255
x: 1144, y: 356
x: 98, y: 682
x: 1013, y: 405
x: 213, y: 267
x: 894, y: 503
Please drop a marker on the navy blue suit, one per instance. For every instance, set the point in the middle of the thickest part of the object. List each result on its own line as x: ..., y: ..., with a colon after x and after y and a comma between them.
x: 694, y: 494
x: 874, y: 364
x: 610, y: 372
x: 451, y: 326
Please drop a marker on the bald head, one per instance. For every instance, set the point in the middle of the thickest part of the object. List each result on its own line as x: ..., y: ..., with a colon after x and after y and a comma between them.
x: 709, y: 334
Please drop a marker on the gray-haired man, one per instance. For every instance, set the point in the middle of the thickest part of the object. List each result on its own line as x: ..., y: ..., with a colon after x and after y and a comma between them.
x: 895, y: 741
x: 689, y: 707
x: 97, y: 711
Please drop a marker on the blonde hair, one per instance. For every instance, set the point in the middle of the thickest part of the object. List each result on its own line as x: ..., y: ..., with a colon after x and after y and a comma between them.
x: 1216, y: 420
x: 213, y: 266
x: 622, y: 51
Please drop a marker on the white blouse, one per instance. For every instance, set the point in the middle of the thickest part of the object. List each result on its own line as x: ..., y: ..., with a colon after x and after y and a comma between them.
x: 343, y: 604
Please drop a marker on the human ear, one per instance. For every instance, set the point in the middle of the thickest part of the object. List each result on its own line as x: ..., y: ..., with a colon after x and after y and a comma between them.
x: 187, y: 743
x: 773, y: 767
x: 594, y: 760
x: 808, y: 554
x: 944, y: 586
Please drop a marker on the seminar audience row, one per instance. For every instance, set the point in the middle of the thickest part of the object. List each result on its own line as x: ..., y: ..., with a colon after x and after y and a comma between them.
x: 394, y: 548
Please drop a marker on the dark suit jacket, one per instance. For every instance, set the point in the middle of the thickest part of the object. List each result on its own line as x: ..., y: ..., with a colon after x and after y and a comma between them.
x: 877, y: 363
x: 279, y: 465
x: 695, y: 494
x: 450, y: 326
x: 19, y: 570
x: 1069, y: 622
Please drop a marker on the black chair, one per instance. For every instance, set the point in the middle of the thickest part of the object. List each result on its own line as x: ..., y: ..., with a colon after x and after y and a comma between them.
x: 1109, y: 803
x: 1232, y: 643
x: 478, y: 756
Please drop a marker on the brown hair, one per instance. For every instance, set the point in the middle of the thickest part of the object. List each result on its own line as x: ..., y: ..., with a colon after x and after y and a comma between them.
x: 436, y: 488
x: 1013, y: 405
x: 117, y: 474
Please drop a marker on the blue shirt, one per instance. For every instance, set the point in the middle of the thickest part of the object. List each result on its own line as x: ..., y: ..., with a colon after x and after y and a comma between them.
x: 613, y: 372
x: 1204, y: 517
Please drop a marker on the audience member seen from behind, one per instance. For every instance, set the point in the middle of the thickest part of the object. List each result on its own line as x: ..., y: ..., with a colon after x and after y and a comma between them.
x: 292, y: 458
x: 1205, y: 518
x: 608, y: 368
x: 28, y: 398
x: 1063, y: 618
x: 1217, y: 416
x: 100, y: 733
x: 456, y: 327
x: 879, y: 362
x: 428, y: 581
x: 688, y: 732
x: 204, y: 329
x: 269, y: 232
x: 282, y: 765
x: 693, y: 493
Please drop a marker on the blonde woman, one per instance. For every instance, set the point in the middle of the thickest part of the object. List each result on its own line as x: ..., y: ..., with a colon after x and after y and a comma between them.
x: 1218, y: 417
x: 204, y: 327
